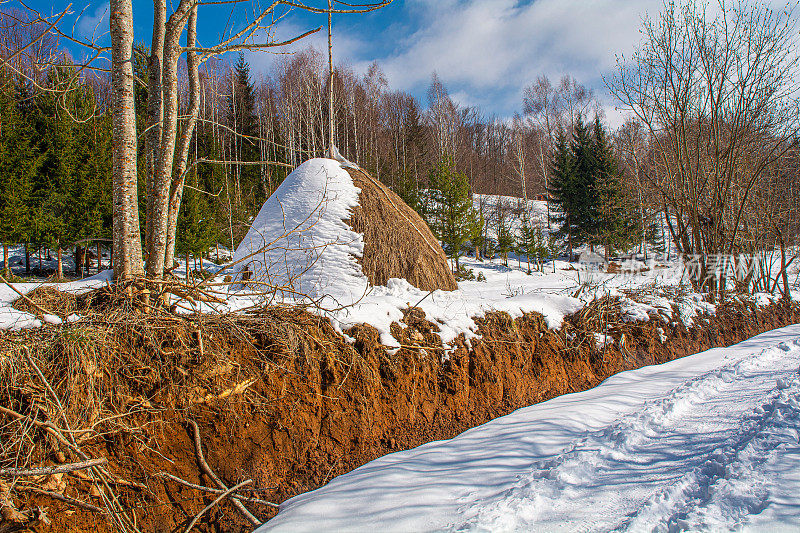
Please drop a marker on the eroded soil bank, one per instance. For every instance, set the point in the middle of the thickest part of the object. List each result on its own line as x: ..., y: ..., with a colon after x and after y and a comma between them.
x: 282, y: 399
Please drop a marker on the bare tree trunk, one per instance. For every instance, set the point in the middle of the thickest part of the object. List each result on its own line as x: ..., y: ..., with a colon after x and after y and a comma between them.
x: 330, y: 80
x: 165, y: 155
x: 60, y: 266
x: 78, y: 256
x: 155, y: 105
x: 179, y: 177
x: 6, y: 268
x: 127, y: 242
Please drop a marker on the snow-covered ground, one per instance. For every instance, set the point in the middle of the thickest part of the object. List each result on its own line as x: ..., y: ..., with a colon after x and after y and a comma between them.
x: 300, y: 245
x: 12, y: 319
x: 562, y: 289
x: 707, y: 442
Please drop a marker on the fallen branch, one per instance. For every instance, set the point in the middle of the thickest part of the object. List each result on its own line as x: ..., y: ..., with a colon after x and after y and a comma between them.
x: 57, y: 469
x: 198, y: 446
x: 114, y: 481
x: 65, y: 499
x: 218, y: 499
x: 49, y: 427
x: 203, y: 488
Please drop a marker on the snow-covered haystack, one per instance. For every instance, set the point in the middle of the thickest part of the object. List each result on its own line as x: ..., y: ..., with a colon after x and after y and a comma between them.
x: 331, y: 232
x: 397, y: 242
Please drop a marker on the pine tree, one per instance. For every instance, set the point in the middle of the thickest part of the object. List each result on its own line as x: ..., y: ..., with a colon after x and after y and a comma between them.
x: 408, y: 190
x: 18, y: 171
x: 242, y: 119
x: 562, y: 189
x: 196, y: 232
x: 584, y: 200
x: 615, y: 228
x: 452, y: 212
x: 477, y: 233
x: 531, y: 242
x: 505, y: 239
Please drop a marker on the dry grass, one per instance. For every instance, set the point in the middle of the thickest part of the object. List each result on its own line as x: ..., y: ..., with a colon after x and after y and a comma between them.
x: 118, y: 372
x: 55, y: 301
x: 397, y: 242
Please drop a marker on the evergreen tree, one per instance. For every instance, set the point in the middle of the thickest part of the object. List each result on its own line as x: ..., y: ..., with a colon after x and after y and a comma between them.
x: 196, y: 232
x: 72, y: 196
x: 408, y: 190
x: 477, y: 233
x: 586, y: 186
x: 18, y: 172
x: 584, y: 201
x: 531, y: 242
x: 451, y: 207
x: 563, y: 189
x: 242, y: 120
x: 505, y: 239
x: 615, y: 228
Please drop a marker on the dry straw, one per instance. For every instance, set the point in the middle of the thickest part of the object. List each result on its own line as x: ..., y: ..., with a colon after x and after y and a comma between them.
x: 397, y: 242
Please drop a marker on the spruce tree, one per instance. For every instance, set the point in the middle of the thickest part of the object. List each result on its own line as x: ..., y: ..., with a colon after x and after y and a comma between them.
x: 584, y: 201
x: 477, y: 233
x: 452, y: 212
x: 18, y: 172
x: 196, y: 232
x: 563, y: 190
x: 615, y: 228
x: 531, y: 242
x: 244, y: 123
x: 505, y: 239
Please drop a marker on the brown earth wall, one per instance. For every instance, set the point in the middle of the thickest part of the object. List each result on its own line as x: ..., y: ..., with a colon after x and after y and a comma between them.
x: 319, y: 406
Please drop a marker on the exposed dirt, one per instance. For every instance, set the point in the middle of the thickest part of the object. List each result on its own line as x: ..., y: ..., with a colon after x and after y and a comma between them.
x: 287, y: 402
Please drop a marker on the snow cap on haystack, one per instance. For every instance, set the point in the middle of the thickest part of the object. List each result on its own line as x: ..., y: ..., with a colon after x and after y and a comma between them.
x: 331, y: 230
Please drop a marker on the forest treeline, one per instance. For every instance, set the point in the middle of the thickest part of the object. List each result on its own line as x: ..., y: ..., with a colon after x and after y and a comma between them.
x: 251, y: 130
x: 713, y: 161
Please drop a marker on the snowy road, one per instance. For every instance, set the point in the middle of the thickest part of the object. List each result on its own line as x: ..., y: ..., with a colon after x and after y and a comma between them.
x: 708, y: 442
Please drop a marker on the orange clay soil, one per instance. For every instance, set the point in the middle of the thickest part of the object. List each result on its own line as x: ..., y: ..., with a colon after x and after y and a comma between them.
x: 309, y: 406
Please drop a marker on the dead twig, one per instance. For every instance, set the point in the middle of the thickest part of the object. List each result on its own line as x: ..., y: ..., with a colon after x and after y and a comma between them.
x: 24, y: 297
x: 198, y: 445
x: 218, y: 499
x: 203, y: 488
x: 57, y: 469
x: 66, y: 499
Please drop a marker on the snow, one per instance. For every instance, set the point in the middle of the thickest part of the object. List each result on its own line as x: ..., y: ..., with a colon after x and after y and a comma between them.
x: 14, y: 320
x: 300, y: 240
x: 454, y: 312
x: 51, y: 319
x: 706, y: 442
x: 601, y: 340
x: 301, y: 245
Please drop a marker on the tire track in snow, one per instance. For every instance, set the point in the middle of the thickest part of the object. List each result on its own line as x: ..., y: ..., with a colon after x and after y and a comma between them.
x: 702, y: 448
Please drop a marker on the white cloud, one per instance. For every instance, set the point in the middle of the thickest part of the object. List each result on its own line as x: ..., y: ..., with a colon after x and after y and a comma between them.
x: 94, y: 24
x: 487, y: 51
x: 496, y: 44
x: 345, y: 48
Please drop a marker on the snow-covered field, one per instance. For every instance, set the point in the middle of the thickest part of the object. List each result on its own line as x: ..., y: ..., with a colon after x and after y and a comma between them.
x: 707, y: 442
x: 12, y: 319
x: 301, y: 246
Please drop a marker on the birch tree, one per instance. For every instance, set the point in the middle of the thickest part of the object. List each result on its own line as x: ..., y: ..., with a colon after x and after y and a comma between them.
x: 166, y: 149
x: 127, y: 243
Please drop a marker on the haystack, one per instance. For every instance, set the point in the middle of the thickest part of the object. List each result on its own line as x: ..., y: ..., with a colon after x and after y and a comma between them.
x: 331, y: 231
x: 397, y: 242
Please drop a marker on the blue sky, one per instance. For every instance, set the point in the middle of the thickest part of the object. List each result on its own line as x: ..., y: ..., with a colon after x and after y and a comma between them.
x: 485, y: 51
